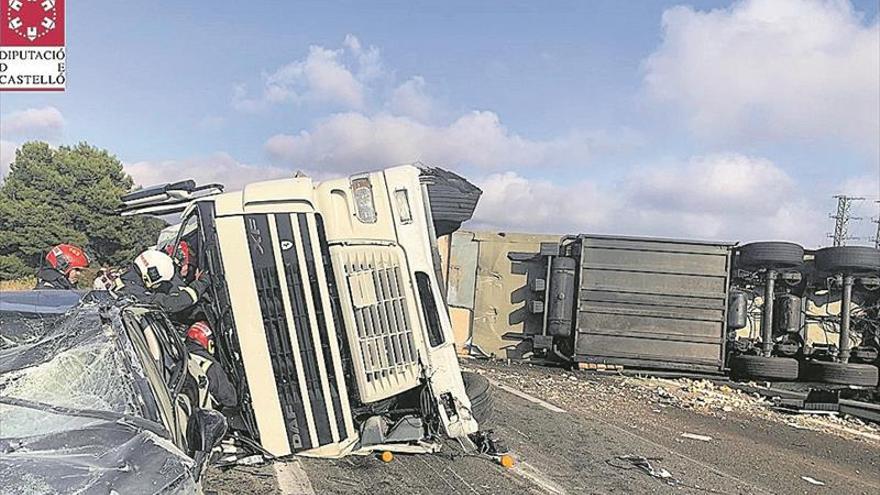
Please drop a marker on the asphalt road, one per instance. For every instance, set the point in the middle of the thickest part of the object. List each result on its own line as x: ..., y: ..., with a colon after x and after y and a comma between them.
x: 572, y: 442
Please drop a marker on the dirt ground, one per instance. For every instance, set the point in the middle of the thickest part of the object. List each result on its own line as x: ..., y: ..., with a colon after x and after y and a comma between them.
x: 697, y: 437
x: 18, y: 284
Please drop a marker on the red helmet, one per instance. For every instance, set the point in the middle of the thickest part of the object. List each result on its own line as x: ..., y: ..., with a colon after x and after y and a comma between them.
x: 182, y: 256
x: 201, y: 333
x: 66, y: 257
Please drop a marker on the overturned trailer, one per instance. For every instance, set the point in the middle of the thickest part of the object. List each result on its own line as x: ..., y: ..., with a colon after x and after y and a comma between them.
x: 635, y: 301
x: 764, y: 310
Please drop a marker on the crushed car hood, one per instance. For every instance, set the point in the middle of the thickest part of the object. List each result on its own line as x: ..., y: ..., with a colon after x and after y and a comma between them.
x: 72, y: 401
x: 40, y: 301
x: 101, y: 458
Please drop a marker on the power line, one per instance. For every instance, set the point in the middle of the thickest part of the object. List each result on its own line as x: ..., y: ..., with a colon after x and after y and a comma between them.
x: 842, y: 219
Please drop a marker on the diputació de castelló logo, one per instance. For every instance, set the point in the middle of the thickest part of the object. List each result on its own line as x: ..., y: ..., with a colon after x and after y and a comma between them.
x: 33, y: 55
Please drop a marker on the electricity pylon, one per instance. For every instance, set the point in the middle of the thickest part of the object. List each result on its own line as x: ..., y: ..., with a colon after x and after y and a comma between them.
x: 842, y: 219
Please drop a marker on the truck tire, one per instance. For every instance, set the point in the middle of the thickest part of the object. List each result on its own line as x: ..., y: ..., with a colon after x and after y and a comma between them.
x: 480, y: 394
x: 864, y: 375
x: 746, y: 367
x: 771, y: 255
x: 848, y: 259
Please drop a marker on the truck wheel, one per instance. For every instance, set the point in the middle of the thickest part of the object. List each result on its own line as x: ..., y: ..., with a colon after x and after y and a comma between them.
x: 864, y: 375
x: 480, y: 394
x: 771, y: 255
x: 746, y: 366
x: 848, y: 259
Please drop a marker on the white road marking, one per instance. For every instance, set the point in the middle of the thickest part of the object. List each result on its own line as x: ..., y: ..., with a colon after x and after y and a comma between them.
x: 292, y: 478
x: 529, y: 472
x: 530, y: 398
x: 812, y: 481
x: 694, y: 436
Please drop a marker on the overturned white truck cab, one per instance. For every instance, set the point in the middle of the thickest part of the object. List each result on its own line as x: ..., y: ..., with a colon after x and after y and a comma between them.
x: 327, y: 306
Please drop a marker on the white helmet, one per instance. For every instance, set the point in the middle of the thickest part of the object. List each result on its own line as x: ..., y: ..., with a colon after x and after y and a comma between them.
x: 155, y: 267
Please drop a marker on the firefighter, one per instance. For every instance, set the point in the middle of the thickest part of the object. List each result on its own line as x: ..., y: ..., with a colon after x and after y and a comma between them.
x: 183, y: 259
x: 105, y: 280
x: 66, y: 261
x: 152, y: 279
x: 208, y: 386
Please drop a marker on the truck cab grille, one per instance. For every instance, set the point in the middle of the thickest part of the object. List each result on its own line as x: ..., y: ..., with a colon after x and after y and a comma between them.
x: 382, y: 307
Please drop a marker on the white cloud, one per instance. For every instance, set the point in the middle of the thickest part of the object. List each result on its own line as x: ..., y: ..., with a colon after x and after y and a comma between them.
x: 718, y: 197
x: 218, y: 167
x: 866, y: 186
x: 33, y: 123
x: 324, y: 76
x: 511, y: 202
x: 722, y: 196
x: 713, y: 184
x: 387, y: 122
x: 369, y: 59
x: 45, y: 123
x: 7, y: 155
x: 772, y: 68
x: 353, y: 141
x: 410, y: 100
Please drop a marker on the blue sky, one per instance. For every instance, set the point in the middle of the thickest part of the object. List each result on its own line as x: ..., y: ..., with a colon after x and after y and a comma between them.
x: 714, y: 119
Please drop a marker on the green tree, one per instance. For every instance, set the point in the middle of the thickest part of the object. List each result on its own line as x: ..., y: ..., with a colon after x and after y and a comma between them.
x: 69, y: 194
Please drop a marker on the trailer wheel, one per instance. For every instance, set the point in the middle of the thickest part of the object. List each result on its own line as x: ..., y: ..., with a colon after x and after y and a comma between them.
x: 864, y: 375
x: 480, y: 394
x: 745, y: 366
x: 848, y: 259
x: 771, y: 255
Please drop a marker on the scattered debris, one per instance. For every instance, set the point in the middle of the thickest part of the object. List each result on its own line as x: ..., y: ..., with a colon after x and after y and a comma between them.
x: 694, y: 436
x: 812, y: 481
x: 660, y: 394
x: 599, y: 367
x: 643, y: 463
x: 813, y: 412
x: 817, y: 402
x: 251, y: 460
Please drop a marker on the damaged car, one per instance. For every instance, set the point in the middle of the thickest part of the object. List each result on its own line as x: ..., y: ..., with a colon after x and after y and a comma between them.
x: 89, y: 399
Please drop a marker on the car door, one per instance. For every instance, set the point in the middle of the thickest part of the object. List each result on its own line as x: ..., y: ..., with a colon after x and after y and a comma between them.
x: 163, y: 358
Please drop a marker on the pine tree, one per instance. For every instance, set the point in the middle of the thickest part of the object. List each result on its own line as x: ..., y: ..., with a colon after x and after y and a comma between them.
x: 69, y: 194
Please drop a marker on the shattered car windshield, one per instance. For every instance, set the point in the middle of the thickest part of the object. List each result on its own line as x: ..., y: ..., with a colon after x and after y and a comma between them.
x: 74, y: 363
x: 78, y: 414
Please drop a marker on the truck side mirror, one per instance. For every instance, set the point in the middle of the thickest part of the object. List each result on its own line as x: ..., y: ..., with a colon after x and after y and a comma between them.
x: 204, y: 431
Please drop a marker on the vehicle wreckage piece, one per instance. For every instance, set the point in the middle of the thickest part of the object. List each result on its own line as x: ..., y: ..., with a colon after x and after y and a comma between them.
x: 767, y: 261
x: 89, y: 401
x: 765, y: 274
x: 851, y: 268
